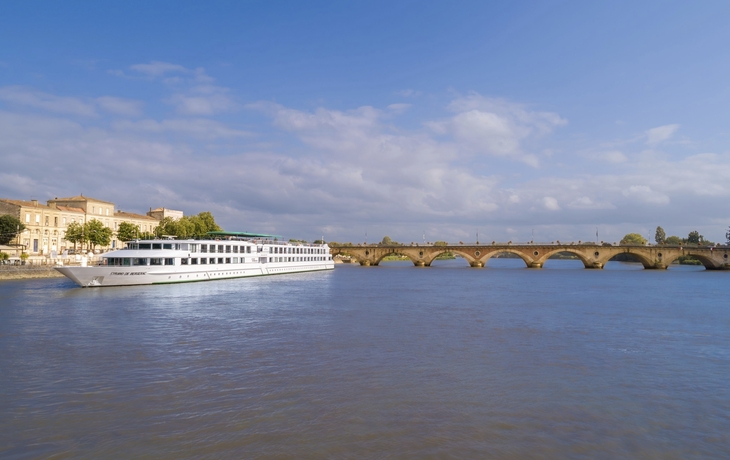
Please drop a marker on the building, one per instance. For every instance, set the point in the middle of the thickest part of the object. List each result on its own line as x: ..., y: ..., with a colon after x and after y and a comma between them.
x: 161, y: 213
x: 46, y: 224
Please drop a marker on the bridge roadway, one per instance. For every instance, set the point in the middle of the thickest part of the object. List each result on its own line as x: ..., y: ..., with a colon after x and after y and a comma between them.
x: 535, y: 255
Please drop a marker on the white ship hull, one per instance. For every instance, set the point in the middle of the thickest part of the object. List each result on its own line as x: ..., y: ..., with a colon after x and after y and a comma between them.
x: 167, y: 261
x: 98, y: 276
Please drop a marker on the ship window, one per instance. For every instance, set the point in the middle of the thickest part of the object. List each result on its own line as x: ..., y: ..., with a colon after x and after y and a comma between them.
x: 170, y: 261
x: 140, y: 261
x: 167, y: 246
x: 184, y: 261
x: 228, y: 260
x: 156, y: 261
x: 126, y: 262
x: 145, y: 245
x: 203, y: 261
x: 220, y: 248
x: 212, y: 248
x: 156, y: 246
x: 235, y: 249
x: 211, y: 260
x: 194, y: 261
x: 248, y: 249
x: 220, y: 260
x: 228, y: 248
x: 235, y: 260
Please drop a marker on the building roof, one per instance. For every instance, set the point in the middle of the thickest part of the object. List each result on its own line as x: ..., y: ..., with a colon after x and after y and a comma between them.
x: 244, y: 235
x: 69, y: 209
x: 81, y: 198
x: 28, y: 204
x: 130, y: 215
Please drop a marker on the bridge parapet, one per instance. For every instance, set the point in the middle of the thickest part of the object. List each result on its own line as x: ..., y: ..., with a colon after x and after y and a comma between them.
x: 593, y: 256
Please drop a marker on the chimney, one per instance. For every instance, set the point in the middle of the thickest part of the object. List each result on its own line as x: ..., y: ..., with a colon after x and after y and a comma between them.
x: 52, y: 204
x: 35, y: 203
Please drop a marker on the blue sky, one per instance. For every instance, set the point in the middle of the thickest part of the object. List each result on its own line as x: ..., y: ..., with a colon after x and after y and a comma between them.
x: 392, y: 118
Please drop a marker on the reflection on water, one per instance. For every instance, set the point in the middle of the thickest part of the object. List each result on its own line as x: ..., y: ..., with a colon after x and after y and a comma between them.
x: 372, y: 362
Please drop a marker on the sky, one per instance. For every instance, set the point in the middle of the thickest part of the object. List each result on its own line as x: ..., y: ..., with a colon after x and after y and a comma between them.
x: 519, y: 121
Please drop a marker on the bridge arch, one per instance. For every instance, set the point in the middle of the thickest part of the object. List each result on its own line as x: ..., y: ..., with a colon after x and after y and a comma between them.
x: 383, y: 254
x: 484, y: 258
x: 647, y: 262
x: 587, y: 263
x: 708, y: 263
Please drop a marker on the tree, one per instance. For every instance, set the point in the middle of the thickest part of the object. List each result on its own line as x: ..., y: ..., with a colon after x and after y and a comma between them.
x: 127, y: 231
x: 9, y: 228
x: 633, y: 238
x: 660, y: 237
x: 75, y: 234
x: 694, y: 237
x: 97, y: 234
x: 675, y: 240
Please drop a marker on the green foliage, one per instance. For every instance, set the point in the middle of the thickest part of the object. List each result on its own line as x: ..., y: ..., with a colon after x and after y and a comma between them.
x: 335, y: 243
x: 4, y: 256
x: 633, y: 238
x: 318, y: 242
x: 24, y: 256
x: 440, y: 243
x: 660, y: 237
x: 187, y: 227
x: 146, y: 236
x: 9, y: 228
x: 386, y: 240
x: 675, y: 240
x: 694, y: 237
x: 97, y: 234
x: 75, y: 233
x: 127, y: 231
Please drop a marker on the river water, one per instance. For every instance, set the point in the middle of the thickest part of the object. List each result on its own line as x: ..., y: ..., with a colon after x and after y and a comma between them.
x: 372, y: 362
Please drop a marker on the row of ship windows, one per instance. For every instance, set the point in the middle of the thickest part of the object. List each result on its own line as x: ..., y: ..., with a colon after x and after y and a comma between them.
x: 130, y: 261
x: 223, y: 248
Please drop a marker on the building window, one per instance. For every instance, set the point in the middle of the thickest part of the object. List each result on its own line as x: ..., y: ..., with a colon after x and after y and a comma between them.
x: 37, y: 218
x: 107, y: 211
x: 27, y: 217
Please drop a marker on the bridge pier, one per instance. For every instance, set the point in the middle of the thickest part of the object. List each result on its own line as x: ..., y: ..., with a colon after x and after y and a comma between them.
x: 420, y: 263
x: 364, y: 263
x: 535, y: 265
x: 594, y: 265
x: 477, y: 264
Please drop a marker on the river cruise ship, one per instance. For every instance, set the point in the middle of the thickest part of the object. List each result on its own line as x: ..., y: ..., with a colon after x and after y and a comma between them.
x: 225, y: 255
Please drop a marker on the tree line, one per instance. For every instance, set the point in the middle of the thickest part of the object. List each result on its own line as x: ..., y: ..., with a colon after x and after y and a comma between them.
x: 660, y: 237
x: 94, y: 233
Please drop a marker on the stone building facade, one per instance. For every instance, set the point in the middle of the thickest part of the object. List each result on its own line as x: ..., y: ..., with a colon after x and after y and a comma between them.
x: 46, y: 224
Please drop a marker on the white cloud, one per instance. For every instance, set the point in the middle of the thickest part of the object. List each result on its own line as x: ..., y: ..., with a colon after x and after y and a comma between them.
x: 613, y: 156
x: 120, y: 106
x: 199, y: 128
x: 399, y: 108
x: 645, y: 194
x: 158, y: 68
x: 585, y: 202
x: 408, y: 93
x: 550, y: 203
x: 660, y: 134
x: 495, y: 127
x: 19, y: 95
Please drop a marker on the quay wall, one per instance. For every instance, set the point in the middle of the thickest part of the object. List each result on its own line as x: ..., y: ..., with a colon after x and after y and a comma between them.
x: 22, y: 272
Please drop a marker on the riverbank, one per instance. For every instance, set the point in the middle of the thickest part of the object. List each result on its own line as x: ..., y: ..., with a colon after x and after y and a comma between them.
x: 22, y: 272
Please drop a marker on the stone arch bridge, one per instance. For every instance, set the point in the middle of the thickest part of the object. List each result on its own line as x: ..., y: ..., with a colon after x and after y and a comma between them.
x: 535, y: 255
